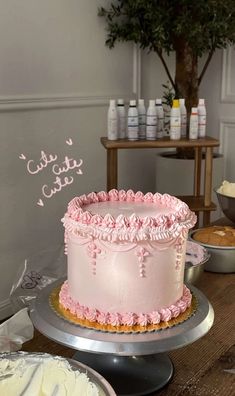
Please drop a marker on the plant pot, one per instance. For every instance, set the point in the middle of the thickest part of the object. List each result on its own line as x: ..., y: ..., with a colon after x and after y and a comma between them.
x: 175, y: 176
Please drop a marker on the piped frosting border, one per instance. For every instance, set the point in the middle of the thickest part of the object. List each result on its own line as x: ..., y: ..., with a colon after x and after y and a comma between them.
x: 128, y: 228
x: 126, y: 318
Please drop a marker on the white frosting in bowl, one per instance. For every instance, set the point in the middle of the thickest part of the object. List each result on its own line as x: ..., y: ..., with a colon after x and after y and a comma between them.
x: 227, y: 189
x: 42, y: 376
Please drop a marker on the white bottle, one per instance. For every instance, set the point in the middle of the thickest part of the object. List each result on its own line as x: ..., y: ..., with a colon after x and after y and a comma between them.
x: 151, y: 121
x: 183, y: 115
x: 132, y: 122
x: 142, y: 119
x: 167, y: 117
x: 201, y: 118
x: 160, y: 119
x: 121, y: 119
x: 112, y: 120
x: 175, y: 120
x: 193, y: 125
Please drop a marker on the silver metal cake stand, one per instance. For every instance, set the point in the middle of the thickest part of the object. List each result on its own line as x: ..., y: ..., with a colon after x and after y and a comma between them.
x: 133, y: 363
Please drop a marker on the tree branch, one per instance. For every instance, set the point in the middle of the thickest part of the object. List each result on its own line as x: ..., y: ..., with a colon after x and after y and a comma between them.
x: 159, y: 53
x: 211, y: 53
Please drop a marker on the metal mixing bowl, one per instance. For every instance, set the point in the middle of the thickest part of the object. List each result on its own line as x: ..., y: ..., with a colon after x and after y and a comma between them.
x: 222, y: 258
x: 196, y: 258
x: 227, y: 205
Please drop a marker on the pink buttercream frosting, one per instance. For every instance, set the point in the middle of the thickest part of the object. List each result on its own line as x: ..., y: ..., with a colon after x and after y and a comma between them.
x: 102, y: 317
x: 166, y: 314
x: 114, y: 319
x: 175, y: 311
x: 155, y: 317
x: 129, y: 319
x: 80, y: 312
x: 169, y: 217
x: 125, y: 318
x: 90, y: 314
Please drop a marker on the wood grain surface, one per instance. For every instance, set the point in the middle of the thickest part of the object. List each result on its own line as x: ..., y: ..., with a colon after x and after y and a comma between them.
x: 204, y: 368
x: 164, y: 142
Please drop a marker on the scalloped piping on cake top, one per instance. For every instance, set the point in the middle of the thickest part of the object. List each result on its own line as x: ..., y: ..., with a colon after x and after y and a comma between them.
x: 126, y: 318
x: 128, y: 228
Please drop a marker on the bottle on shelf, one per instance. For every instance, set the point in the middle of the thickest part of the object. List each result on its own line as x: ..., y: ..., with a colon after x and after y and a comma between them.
x: 132, y: 122
x: 160, y: 119
x: 193, y: 125
x: 151, y: 121
x: 183, y: 116
x: 112, y: 121
x: 142, y: 119
x: 167, y: 117
x: 121, y: 119
x: 201, y: 118
x: 175, y: 120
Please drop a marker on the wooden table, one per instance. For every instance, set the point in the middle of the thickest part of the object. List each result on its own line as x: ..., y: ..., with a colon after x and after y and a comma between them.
x: 196, y: 202
x: 202, y: 368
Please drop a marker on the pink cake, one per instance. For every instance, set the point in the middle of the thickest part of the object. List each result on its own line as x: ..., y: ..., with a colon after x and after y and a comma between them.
x: 126, y: 257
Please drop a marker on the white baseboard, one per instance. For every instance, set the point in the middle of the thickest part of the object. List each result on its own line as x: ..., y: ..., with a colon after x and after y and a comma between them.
x: 5, y: 309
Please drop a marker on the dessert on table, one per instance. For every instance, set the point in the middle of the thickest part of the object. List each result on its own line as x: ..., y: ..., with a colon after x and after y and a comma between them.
x: 126, y: 257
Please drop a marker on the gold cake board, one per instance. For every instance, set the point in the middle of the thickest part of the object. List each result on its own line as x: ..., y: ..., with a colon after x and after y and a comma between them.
x: 68, y: 316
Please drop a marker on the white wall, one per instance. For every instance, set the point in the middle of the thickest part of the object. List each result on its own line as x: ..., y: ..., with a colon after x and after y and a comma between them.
x: 56, y: 78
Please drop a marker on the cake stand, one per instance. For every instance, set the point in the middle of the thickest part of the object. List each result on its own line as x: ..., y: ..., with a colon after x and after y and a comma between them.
x: 135, y: 364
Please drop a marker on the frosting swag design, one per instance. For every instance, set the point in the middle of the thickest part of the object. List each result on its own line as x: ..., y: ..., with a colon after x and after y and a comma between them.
x: 93, y: 251
x: 96, y: 250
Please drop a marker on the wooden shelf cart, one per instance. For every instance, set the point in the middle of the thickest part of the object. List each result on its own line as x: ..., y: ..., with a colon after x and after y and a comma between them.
x: 197, y: 202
